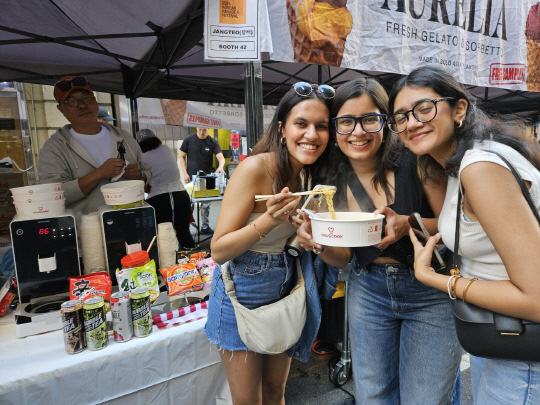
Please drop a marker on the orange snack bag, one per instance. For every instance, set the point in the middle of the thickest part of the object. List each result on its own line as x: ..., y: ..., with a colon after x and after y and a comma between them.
x: 182, y: 279
x: 91, y: 285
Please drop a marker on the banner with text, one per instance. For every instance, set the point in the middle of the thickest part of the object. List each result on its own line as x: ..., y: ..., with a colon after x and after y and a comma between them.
x: 483, y: 42
x: 197, y: 114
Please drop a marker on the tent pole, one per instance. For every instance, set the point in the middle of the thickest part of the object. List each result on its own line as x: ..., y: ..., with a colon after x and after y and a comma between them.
x: 134, y: 116
x: 253, y: 103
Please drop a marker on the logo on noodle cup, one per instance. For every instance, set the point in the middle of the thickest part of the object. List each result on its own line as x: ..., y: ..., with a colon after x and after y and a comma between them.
x: 506, y: 73
x: 330, y: 233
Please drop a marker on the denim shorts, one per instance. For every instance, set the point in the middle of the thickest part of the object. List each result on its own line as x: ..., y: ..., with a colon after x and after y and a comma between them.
x: 259, y: 279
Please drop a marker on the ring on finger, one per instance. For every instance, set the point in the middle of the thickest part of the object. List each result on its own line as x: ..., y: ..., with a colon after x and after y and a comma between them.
x: 285, y: 212
x: 319, y: 251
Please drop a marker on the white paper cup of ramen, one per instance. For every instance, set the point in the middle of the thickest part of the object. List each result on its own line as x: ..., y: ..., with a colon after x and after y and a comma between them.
x: 123, y: 192
x: 349, y: 229
x: 36, y: 189
x: 38, y: 197
x: 43, y: 209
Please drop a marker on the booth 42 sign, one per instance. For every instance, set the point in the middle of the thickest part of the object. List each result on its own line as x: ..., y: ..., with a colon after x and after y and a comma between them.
x: 232, y: 30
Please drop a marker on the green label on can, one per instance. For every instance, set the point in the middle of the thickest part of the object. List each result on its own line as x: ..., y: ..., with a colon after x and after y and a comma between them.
x: 95, y: 326
x: 142, y: 317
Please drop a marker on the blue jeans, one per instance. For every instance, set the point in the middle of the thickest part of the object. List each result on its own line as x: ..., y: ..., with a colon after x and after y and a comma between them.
x: 403, y: 340
x: 498, y: 382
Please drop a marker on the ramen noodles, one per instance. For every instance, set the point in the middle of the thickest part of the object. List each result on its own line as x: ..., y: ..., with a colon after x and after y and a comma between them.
x: 328, y: 192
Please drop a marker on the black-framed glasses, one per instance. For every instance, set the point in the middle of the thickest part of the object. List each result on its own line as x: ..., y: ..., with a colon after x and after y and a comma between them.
x: 304, y: 89
x: 369, y: 123
x: 74, y: 102
x: 67, y: 84
x: 423, y: 111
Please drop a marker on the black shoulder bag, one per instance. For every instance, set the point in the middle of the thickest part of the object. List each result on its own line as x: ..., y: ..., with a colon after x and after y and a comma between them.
x: 485, y: 333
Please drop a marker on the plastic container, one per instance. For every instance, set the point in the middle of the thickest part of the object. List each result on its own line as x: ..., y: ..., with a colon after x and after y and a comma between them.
x: 34, y: 198
x: 36, y: 189
x: 135, y: 259
x: 43, y: 209
x: 349, y: 229
x: 123, y: 192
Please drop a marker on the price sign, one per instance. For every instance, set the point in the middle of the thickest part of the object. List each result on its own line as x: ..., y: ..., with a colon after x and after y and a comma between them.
x: 232, y: 30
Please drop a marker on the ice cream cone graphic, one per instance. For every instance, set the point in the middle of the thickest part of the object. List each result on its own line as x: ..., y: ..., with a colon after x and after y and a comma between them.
x: 532, y: 32
x: 173, y: 111
x: 319, y: 29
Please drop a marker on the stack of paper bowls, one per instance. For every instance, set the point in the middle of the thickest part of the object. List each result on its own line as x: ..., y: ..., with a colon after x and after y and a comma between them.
x: 39, y: 201
x: 124, y: 194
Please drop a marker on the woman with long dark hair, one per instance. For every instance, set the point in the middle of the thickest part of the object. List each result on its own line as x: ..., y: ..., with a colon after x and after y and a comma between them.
x: 499, y: 236
x: 403, y: 341
x: 251, y: 236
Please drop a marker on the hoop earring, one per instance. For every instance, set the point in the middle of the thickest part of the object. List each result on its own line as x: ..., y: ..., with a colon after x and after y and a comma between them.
x: 283, y: 141
x: 459, y: 124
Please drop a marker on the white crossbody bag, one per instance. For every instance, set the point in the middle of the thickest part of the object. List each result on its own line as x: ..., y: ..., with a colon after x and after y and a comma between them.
x: 272, y: 328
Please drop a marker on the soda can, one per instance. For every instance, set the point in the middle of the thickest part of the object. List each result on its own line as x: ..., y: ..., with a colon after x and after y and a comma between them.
x: 140, y: 308
x: 73, y: 325
x: 121, y: 314
x: 95, y: 323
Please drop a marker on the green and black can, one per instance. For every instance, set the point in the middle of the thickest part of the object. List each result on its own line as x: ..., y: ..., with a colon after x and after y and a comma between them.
x: 140, y: 309
x: 95, y: 323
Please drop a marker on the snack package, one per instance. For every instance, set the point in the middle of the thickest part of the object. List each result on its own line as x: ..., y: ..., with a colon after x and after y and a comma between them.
x: 195, y: 257
x: 206, y: 270
x: 182, y: 279
x: 91, y: 285
x: 142, y: 276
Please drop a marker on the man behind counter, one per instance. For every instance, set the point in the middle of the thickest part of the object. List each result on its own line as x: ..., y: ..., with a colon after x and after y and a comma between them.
x: 85, y: 154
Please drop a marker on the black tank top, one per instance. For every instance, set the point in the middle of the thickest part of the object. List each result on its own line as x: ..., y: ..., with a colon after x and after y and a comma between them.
x: 409, y: 197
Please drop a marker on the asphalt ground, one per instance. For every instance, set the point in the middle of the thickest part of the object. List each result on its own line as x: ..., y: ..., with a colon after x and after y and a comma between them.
x: 310, y: 383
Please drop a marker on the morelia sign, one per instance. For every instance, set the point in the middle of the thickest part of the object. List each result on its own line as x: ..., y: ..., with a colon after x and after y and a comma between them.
x: 483, y: 42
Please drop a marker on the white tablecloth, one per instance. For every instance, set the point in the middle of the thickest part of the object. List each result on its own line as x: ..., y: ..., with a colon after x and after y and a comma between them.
x: 176, y: 365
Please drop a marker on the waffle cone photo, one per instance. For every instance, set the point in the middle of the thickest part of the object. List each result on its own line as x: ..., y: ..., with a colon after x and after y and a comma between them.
x: 318, y: 30
x: 533, y: 65
x: 173, y: 111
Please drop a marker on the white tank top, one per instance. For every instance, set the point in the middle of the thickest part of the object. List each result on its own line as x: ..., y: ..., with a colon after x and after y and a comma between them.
x: 274, y: 242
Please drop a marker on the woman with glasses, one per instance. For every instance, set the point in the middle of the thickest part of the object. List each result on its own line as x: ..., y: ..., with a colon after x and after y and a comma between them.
x: 403, y: 341
x: 498, y: 234
x: 251, y: 236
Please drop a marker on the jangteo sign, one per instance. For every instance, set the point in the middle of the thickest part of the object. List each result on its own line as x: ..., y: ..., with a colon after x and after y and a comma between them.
x: 483, y: 42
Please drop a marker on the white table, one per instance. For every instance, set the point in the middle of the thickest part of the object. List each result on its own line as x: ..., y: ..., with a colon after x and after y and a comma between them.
x: 176, y: 365
x: 197, y: 202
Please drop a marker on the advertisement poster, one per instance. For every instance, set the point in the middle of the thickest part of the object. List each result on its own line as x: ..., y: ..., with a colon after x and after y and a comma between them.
x: 483, y: 42
x: 197, y: 114
x: 231, y: 30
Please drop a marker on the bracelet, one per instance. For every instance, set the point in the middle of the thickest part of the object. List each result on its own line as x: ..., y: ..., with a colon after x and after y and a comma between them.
x: 448, y: 287
x: 453, y: 285
x: 466, y: 287
x: 319, y: 252
x: 261, y: 235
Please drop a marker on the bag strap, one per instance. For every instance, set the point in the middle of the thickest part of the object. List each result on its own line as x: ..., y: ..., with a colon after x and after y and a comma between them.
x: 524, y: 190
x: 360, y: 194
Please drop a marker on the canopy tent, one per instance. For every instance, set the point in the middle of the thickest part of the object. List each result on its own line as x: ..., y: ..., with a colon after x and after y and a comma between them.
x: 141, y: 48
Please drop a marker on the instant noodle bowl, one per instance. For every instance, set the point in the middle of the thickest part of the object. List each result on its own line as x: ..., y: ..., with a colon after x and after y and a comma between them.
x: 44, y: 209
x: 36, y: 189
x: 59, y: 195
x: 349, y: 229
x: 123, y: 192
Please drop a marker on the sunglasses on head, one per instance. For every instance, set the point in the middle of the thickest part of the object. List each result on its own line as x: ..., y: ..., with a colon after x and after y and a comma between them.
x: 67, y: 84
x: 304, y: 89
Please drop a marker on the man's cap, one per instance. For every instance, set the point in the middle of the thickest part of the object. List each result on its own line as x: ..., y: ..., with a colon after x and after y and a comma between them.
x: 104, y: 113
x: 145, y: 134
x: 68, y: 84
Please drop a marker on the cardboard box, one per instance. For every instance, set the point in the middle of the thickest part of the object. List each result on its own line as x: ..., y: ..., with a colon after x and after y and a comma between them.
x: 6, y: 216
x: 196, y: 193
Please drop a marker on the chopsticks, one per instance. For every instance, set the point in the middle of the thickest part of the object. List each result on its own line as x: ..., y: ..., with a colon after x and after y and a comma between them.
x: 266, y: 197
